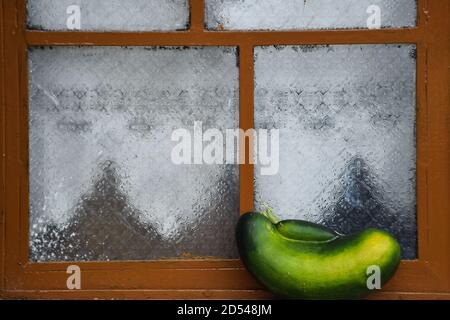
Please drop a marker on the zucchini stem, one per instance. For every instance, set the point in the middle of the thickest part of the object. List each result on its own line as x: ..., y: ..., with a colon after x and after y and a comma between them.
x: 268, y: 213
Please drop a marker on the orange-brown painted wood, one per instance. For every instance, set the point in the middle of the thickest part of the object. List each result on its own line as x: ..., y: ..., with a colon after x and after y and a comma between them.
x: 196, y: 294
x: 426, y: 277
x: 188, y: 38
x: 2, y: 150
x: 246, y: 122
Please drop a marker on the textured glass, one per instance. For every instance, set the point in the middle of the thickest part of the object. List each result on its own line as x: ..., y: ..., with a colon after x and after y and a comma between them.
x: 102, y: 183
x: 307, y: 14
x: 109, y: 15
x: 346, y: 116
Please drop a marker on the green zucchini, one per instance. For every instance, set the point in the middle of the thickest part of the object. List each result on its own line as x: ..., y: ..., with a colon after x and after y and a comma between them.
x: 304, y: 267
x: 300, y: 229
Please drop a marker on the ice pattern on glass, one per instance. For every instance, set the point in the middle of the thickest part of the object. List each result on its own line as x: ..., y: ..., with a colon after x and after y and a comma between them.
x: 102, y: 184
x: 306, y: 14
x: 110, y: 15
x: 346, y: 115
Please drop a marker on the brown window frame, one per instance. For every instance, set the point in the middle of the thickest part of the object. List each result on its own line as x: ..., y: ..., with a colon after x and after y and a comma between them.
x: 426, y: 277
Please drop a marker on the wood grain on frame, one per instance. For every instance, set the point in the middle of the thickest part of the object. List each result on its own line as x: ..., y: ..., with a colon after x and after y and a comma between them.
x: 2, y: 150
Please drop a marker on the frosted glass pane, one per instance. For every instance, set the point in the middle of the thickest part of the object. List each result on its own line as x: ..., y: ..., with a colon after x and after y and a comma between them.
x: 109, y: 15
x: 346, y: 116
x: 307, y: 14
x: 102, y: 183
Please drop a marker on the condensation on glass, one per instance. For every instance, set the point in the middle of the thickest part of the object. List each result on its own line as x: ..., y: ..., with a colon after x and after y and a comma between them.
x: 346, y: 116
x: 102, y: 184
x: 308, y: 14
x: 109, y: 15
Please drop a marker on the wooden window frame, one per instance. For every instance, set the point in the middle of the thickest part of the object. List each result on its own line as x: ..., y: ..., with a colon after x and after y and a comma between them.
x: 426, y: 277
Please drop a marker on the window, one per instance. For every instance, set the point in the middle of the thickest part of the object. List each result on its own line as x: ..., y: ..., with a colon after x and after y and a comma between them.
x: 102, y: 183
x: 347, y: 116
x: 92, y: 91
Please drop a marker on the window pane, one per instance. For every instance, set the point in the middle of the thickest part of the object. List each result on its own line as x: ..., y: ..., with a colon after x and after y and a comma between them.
x: 108, y: 15
x: 102, y: 183
x: 346, y: 116
x: 308, y: 14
